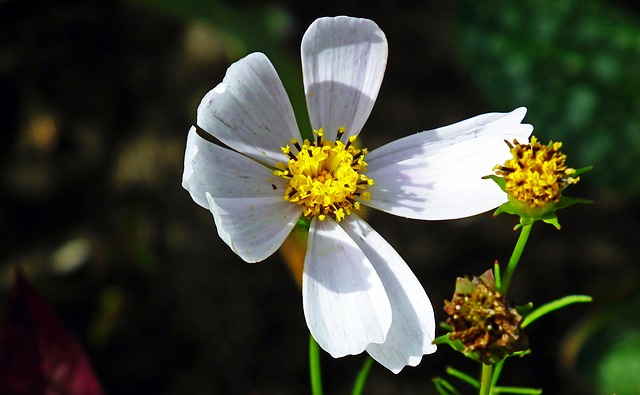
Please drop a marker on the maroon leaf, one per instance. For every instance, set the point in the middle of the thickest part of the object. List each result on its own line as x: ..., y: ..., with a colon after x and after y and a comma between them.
x: 38, y: 354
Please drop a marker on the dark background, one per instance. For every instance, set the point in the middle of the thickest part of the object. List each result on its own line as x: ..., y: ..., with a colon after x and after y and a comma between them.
x: 97, y: 98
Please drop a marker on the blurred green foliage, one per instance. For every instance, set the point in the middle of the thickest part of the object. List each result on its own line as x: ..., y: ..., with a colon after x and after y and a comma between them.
x: 618, y: 370
x: 607, y: 349
x: 574, y: 64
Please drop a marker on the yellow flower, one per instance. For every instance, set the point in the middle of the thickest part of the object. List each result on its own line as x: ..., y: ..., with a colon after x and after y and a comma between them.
x: 325, y: 177
x: 534, y: 179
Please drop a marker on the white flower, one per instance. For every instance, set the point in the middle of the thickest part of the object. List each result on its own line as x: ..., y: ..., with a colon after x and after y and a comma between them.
x: 358, y: 293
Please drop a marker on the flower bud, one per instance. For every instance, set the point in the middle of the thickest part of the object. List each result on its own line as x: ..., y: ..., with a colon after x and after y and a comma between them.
x: 534, y: 179
x: 482, y: 321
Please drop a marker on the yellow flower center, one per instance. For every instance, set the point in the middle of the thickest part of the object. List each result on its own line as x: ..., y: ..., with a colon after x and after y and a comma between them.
x: 537, y: 174
x: 325, y: 177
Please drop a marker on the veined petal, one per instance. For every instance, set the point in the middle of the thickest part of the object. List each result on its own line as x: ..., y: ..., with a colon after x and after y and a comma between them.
x: 437, y: 174
x: 343, y: 63
x: 413, y: 326
x: 209, y: 168
x: 254, y: 228
x: 249, y: 110
x: 345, y: 304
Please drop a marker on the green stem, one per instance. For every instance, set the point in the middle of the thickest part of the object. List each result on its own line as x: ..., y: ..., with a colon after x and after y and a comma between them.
x: 314, y: 367
x: 362, y: 376
x: 515, y: 258
x: 489, y: 376
x: 496, y: 373
x: 485, y: 382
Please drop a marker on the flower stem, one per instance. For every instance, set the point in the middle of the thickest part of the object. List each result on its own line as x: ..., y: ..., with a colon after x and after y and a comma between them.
x: 362, y: 377
x: 496, y: 373
x: 515, y: 258
x: 314, y: 367
x: 485, y: 382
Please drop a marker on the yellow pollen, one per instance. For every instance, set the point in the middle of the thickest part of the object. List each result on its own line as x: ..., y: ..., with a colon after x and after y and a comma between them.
x: 325, y: 177
x: 537, y: 174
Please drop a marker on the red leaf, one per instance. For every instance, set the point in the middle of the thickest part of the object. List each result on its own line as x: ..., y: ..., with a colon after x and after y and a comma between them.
x: 38, y: 354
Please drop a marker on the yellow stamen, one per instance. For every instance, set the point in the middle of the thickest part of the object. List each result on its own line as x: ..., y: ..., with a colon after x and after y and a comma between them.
x: 537, y: 174
x: 325, y: 177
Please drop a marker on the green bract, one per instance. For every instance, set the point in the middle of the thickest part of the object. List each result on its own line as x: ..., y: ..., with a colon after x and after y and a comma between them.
x: 545, y: 212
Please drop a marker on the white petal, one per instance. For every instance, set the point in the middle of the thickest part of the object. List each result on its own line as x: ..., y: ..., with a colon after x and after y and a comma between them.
x: 254, y: 228
x: 225, y: 174
x: 413, y: 326
x: 249, y: 110
x: 343, y: 63
x: 437, y: 174
x: 345, y: 304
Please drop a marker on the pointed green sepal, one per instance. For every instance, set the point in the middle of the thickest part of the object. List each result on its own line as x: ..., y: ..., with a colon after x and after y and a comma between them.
x: 505, y: 208
x: 446, y: 339
x: 565, y: 202
x: 529, y: 216
x: 502, y: 183
x: 552, y: 221
x: 498, y: 354
x: 581, y: 170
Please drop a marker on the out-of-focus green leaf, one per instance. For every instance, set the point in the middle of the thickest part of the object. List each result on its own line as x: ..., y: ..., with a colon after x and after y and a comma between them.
x: 605, y: 349
x: 573, y: 64
x: 619, y: 370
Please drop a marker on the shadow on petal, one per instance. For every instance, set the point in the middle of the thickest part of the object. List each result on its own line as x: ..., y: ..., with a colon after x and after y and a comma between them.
x: 335, y: 261
x: 413, y: 324
x: 333, y: 104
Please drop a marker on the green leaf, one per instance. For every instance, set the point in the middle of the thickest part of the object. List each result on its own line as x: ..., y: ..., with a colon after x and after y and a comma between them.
x: 443, y: 387
x: 463, y: 376
x: 517, y: 390
x: 552, y: 306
